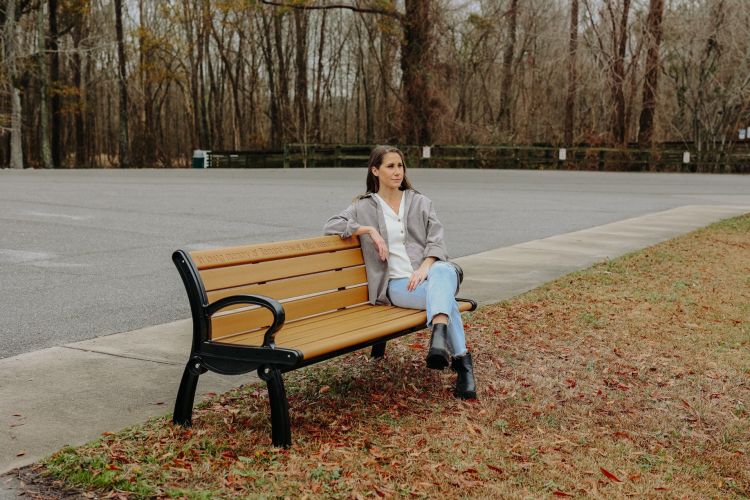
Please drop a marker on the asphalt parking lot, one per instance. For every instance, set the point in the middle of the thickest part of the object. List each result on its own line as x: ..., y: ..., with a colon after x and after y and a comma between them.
x: 85, y: 253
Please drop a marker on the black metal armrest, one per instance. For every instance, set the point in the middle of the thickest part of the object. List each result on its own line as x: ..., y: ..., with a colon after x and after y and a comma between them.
x: 279, y: 316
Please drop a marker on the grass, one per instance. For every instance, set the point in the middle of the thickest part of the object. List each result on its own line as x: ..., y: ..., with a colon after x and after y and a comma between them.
x: 629, y: 378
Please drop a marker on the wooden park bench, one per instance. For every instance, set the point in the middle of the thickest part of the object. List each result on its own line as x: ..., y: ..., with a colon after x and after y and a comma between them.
x: 281, y: 306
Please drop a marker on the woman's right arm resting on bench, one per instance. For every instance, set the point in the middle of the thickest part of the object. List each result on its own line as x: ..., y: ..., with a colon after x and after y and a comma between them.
x: 345, y: 225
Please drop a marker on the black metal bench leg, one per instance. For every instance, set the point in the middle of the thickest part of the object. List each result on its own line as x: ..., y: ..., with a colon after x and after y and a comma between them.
x: 183, y: 407
x: 281, y: 433
x: 378, y: 350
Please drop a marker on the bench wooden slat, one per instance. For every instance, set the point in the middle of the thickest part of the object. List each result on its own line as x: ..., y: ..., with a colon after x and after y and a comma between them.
x: 219, y: 278
x: 350, y: 315
x: 248, y: 320
x: 299, y: 335
x: 301, y: 339
x: 232, y: 256
x: 256, y: 337
x: 298, y: 332
x: 315, y: 349
x: 310, y: 327
x: 316, y: 339
x: 298, y: 286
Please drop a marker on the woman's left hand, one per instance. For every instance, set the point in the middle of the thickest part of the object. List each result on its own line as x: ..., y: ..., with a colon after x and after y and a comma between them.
x: 417, y: 277
x: 420, y: 275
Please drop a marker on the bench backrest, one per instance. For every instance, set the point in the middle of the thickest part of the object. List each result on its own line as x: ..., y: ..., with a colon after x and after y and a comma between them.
x: 309, y: 277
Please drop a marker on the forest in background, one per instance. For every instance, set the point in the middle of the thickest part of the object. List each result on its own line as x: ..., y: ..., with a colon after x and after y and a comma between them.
x: 145, y: 82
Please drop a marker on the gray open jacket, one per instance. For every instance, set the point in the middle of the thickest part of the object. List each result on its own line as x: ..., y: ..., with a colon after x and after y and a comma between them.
x: 424, y: 236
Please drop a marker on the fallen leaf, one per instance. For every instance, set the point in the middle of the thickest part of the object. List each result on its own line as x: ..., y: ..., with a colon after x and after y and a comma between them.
x: 496, y: 469
x: 416, y: 346
x: 559, y: 493
x: 609, y: 475
x: 324, y: 389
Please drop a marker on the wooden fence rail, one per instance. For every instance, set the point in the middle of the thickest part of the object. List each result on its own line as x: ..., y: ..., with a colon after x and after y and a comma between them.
x: 494, y: 157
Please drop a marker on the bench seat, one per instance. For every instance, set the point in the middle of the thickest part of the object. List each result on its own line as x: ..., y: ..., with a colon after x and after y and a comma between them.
x: 340, y: 330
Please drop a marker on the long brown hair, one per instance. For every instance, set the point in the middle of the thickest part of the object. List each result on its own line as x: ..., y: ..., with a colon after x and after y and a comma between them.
x: 372, y: 183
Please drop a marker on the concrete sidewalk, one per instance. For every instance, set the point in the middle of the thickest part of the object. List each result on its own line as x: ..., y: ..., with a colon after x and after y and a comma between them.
x: 72, y: 393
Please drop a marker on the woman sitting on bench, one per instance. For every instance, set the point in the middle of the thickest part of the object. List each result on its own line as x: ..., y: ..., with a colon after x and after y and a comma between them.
x: 406, y: 259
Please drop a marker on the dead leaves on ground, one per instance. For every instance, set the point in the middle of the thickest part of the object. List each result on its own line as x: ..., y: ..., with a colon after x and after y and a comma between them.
x: 626, y: 379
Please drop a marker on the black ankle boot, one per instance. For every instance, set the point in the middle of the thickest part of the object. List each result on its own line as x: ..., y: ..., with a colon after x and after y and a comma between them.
x: 465, y: 387
x: 438, y: 357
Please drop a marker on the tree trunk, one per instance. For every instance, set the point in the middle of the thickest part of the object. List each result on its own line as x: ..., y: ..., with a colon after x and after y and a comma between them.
x: 191, y: 40
x: 366, y: 80
x: 44, y: 137
x: 123, y: 89
x: 283, y: 74
x: 387, y: 49
x: 570, y: 98
x: 300, y: 82
x: 276, y: 135
x: 253, y: 122
x: 239, y: 112
x: 650, y: 82
x: 16, y: 144
x: 618, y: 78
x: 55, y: 101
x: 80, y: 110
x: 214, y: 103
x: 233, y: 74
x: 504, y: 113
x: 416, y: 68
x: 319, y: 79
x: 204, y: 131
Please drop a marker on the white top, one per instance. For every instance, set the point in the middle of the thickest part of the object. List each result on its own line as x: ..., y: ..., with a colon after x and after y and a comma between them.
x: 399, y: 265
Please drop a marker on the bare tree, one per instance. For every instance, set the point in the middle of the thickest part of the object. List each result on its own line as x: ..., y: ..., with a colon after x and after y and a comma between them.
x: 54, y: 77
x: 300, y: 80
x: 78, y: 33
x: 570, y: 97
x: 317, y: 101
x: 653, y: 67
x: 11, y: 55
x: 420, y: 105
x: 417, y: 67
x: 504, y: 113
x: 44, y: 133
x: 617, y: 82
x: 123, y: 88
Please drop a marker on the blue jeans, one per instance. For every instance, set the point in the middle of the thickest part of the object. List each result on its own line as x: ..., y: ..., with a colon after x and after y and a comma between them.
x: 436, y: 295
